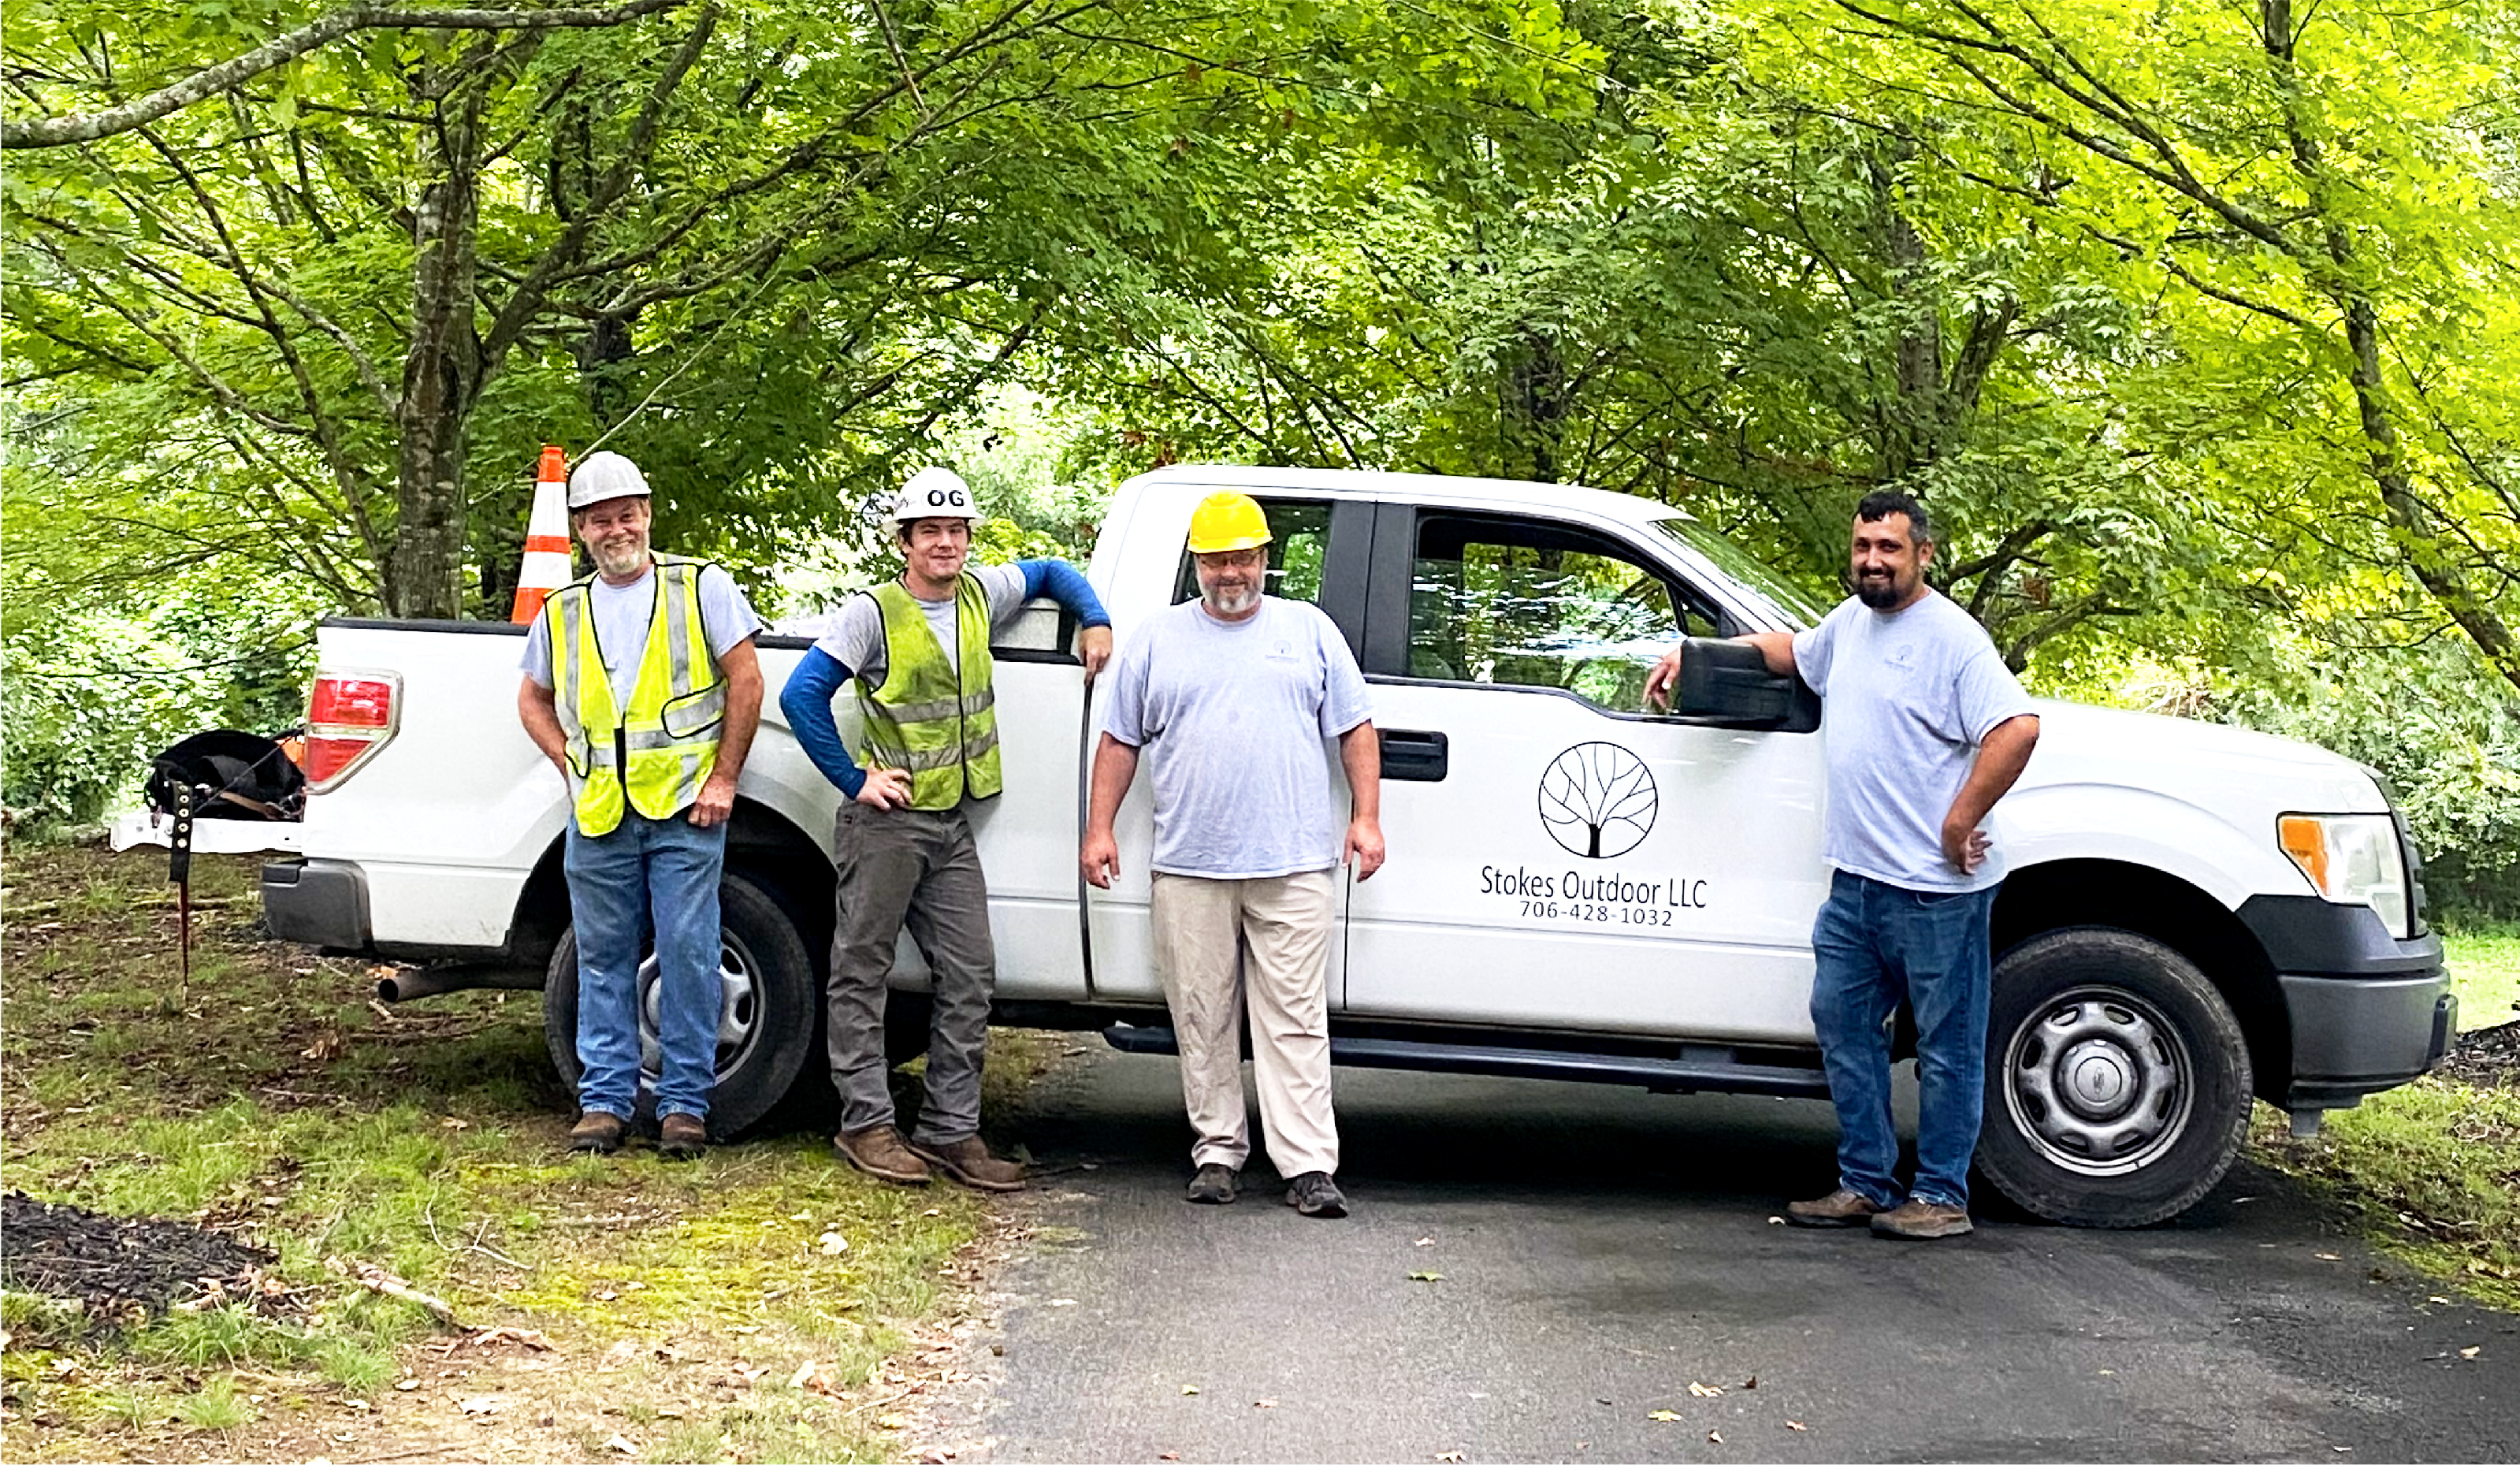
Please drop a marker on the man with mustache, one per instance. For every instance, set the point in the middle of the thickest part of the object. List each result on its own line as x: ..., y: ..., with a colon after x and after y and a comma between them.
x: 1926, y: 729
x: 1229, y: 697
x: 918, y: 650
x: 643, y: 687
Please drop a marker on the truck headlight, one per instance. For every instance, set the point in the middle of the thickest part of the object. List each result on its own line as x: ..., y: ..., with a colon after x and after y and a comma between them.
x: 2352, y: 860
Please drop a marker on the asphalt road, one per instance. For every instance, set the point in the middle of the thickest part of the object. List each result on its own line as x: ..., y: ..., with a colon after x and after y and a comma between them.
x: 1601, y: 1250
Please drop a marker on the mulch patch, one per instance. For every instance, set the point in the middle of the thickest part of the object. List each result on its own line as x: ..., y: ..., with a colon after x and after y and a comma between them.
x: 124, y: 1267
x: 2485, y: 1056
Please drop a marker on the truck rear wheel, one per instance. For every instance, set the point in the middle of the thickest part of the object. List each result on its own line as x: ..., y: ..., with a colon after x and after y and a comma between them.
x: 765, y: 1023
x: 2117, y: 1081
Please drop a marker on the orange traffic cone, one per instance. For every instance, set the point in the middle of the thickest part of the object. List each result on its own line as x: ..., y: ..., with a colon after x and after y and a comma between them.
x: 547, y: 558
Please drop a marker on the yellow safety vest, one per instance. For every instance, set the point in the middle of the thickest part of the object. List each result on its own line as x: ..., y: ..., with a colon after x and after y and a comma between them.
x: 655, y: 754
x: 938, y: 725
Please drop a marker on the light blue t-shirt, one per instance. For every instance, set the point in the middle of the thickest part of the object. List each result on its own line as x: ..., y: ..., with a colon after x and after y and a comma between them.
x: 624, y: 613
x: 1234, y: 716
x: 1909, y: 695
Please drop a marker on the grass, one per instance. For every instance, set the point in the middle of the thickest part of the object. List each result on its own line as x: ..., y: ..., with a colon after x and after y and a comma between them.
x: 270, y: 1099
x: 2433, y: 1168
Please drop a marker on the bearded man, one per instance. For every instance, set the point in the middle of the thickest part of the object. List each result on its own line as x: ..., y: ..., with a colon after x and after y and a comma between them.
x: 643, y: 687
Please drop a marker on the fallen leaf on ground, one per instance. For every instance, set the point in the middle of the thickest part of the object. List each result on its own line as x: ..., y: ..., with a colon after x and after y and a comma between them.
x: 1425, y: 1276
x: 1752, y: 1382
x: 1776, y: 1220
x: 892, y: 1421
x: 1062, y: 1301
x: 1714, y: 1437
x: 1424, y: 1241
x: 804, y: 1215
x: 1264, y: 1403
x: 1190, y: 1388
x: 2329, y: 1257
x: 621, y: 1445
x: 1169, y: 1455
x: 1706, y: 1390
x: 405, y: 1385
x: 488, y: 1404
x: 2470, y: 1352
x: 1797, y: 1425
x: 1449, y: 1457
x: 1663, y: 1416
x: 834, y: 1243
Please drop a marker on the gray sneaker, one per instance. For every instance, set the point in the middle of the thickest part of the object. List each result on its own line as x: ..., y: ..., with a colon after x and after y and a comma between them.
x: 1312, y: 1194
x: 1213, y: 1185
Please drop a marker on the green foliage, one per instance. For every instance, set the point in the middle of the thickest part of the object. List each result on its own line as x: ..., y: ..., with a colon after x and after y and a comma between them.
x: 2448, y: 740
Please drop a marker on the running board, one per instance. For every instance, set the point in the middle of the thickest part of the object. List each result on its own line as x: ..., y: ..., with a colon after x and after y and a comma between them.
x: 1711, y: 1073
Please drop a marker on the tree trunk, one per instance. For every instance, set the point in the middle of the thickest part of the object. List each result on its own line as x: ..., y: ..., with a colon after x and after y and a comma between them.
x: 441, y: 373
x: 2413, y: 523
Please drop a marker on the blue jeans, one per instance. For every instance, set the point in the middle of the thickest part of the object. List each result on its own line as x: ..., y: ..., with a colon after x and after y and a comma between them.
x: 666, y: 869
x: 1876, y: 943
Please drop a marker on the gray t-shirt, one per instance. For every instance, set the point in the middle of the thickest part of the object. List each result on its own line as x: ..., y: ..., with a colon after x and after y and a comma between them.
x: 855, y: 638
x: 622, y: 615
x: 1910, y: 696
x: 1233, y: 716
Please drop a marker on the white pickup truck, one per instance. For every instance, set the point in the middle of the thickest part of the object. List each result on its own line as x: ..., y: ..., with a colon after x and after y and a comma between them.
x: 1576, y: 889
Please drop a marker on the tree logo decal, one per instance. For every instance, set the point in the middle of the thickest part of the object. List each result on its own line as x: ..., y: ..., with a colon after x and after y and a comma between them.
x: 1597, y: 799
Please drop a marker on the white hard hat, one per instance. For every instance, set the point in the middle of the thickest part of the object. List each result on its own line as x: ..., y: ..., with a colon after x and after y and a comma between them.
x: 935, y: 493
x: 601, y: 476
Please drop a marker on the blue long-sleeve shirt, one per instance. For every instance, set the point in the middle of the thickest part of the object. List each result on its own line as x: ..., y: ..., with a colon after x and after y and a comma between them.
x: 806, y: 699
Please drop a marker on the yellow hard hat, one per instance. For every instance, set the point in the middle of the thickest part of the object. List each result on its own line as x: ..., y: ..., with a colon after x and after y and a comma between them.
x: 1227, y: 521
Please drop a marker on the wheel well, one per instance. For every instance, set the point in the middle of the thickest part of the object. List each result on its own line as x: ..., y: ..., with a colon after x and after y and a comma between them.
x: 761, y: 843
x: 2131, y: 897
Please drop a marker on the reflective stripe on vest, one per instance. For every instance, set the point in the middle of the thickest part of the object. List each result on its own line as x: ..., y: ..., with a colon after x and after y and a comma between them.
x: 935, y: 723
x: 655, y: 755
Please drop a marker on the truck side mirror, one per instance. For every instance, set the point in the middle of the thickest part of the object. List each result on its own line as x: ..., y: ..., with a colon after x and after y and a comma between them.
x: 1728, y: 684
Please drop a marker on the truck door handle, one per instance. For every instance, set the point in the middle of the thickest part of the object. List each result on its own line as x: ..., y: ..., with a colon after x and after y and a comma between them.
x: 1415, y: 756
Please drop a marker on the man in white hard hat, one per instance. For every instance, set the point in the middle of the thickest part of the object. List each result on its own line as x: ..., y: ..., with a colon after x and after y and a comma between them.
x: 642, y: 688
x: 918, y: 650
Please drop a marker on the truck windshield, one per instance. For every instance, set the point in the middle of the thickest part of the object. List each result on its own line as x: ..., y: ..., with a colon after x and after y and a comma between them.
x: 1792, y: 605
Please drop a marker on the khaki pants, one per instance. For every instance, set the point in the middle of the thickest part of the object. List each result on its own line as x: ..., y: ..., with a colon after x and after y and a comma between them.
x: 1220, y: 943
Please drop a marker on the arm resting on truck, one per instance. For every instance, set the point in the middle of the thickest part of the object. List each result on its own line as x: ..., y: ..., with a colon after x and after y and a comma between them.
x: 1776, y: 648
x: 1065, y: 584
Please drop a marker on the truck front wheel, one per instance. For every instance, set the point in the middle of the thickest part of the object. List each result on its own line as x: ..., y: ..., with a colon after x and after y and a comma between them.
x: 765, y: 1019
x: 2117, y: 1081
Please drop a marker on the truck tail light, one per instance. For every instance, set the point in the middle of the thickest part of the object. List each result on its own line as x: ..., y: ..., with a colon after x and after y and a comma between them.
x: 349, y: 716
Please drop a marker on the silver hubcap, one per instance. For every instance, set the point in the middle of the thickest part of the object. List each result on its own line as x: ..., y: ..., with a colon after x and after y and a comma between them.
x: 739, y: 1012
x: 2099, y: 1080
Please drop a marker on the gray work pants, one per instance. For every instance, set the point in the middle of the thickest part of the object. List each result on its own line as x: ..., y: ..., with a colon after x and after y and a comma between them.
x: 921, y: 868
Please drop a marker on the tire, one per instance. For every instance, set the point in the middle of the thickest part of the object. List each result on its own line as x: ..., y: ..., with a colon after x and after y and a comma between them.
x: 765, y: 1032
x: 2117, y: 1081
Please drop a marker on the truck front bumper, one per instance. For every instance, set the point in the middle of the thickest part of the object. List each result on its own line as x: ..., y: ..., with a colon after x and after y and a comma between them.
x: 318, y: 902
x: 2368, y: 1010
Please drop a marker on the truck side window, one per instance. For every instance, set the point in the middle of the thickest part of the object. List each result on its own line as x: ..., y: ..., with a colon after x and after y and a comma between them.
x: 1299, y: 530
x: 1525, y: 603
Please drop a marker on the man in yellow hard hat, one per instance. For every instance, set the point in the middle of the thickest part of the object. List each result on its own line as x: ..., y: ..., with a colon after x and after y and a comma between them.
x: 642, y: 686
x: 918, y: 650
x: 1230, y: 699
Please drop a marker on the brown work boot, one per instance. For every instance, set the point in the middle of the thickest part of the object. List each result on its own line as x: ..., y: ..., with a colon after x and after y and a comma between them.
x: 968, y: 1161
x: 597, y: 1132
x: 682, y: 1136
x: 1921, y: 1220
x: 880, y: 1152
x: 1839, y: 1208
